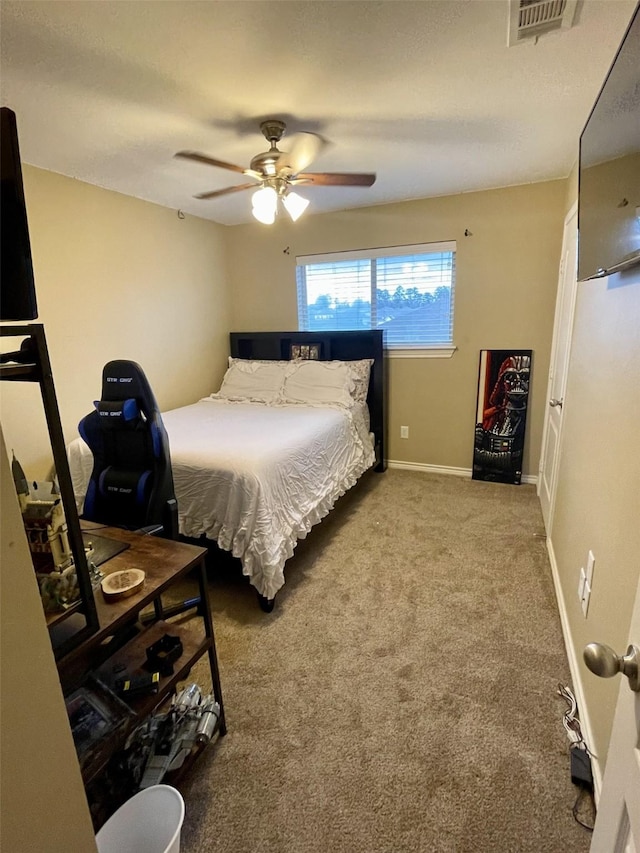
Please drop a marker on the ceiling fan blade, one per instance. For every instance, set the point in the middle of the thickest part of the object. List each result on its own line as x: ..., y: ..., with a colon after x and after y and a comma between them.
x: 305, y: 149
x: 336, y: 179
x: 209, y: 161
x: 226, y: 191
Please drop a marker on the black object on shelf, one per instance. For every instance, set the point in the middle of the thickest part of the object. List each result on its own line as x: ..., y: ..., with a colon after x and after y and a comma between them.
x: 164, y: 653
x: 103, y: 547
x: 132, y: 686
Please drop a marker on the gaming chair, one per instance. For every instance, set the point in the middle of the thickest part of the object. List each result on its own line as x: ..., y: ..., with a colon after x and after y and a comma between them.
x: 131, y: 484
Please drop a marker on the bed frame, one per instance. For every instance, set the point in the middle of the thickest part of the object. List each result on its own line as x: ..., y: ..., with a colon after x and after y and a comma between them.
x: 325, y: 346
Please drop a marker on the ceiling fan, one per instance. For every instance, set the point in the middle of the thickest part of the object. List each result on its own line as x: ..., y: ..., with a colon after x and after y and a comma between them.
x: 278, y: 171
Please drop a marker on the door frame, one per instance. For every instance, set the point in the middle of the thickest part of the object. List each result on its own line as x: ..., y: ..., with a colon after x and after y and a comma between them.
x: 573, y: 284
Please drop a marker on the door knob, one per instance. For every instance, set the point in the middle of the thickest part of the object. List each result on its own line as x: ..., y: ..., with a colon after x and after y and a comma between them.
x: 603, y: 661
x: 553, y: 403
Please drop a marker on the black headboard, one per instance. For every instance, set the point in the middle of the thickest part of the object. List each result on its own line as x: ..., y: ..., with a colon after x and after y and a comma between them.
x: 327, y: 346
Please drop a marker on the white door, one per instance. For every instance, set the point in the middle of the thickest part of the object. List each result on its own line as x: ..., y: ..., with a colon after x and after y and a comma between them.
x: 617, y: 827
x: 560, y: 348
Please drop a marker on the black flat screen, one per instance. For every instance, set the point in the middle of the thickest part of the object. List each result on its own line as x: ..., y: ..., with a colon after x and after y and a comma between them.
x: 609, y: 188
x: 17, y: 286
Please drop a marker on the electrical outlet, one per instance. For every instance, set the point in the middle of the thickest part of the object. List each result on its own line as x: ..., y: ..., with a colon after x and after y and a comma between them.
x: 404, y: 432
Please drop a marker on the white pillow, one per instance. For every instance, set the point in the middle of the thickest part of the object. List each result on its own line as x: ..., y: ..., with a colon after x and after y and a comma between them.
x: 253, y: 380
x: 360, y: 371
x: 319, y: 382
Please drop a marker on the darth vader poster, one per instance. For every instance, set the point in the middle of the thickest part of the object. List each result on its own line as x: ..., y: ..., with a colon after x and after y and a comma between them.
x: 501, y: 415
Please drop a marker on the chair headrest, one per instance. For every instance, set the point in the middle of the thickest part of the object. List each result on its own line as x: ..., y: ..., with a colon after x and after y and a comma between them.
x: 115, y: 413
x: 125, y: 380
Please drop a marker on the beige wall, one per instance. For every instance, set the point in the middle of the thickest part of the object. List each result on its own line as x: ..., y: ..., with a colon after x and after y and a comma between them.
x: 598, y: 498
x: 117, y: 277
x: 507, y: 274
x: 571, y: 194
x: 43, y: 800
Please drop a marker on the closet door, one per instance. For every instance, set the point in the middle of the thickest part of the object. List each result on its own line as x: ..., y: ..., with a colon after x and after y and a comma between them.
x: 560, y: 350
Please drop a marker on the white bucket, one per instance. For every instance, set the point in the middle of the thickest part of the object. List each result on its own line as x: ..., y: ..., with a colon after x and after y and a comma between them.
x: 150, y: 822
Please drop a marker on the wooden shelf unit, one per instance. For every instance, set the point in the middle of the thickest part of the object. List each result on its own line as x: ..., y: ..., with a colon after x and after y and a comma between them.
x: 121, y: 640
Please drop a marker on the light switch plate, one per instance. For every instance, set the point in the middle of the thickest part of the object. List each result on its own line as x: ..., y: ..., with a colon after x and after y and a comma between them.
x: 581, y: 583
x: 591, y: 560
x: 586, y: 595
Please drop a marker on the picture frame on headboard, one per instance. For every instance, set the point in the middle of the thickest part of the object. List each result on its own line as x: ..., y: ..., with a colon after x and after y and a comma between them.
x: 306, y: 352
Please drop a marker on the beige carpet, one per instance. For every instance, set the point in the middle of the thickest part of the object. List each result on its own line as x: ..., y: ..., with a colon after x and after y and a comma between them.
x: 402, y: 695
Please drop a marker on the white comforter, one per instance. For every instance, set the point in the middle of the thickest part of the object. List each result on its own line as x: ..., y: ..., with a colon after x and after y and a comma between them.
x: 256, y: 477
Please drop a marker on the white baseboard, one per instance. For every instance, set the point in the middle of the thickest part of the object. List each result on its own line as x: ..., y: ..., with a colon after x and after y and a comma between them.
x: 444, y: 469
x: 428, y: 469
x: 572, y: 656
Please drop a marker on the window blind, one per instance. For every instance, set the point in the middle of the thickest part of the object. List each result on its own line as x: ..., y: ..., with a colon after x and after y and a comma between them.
x: 407, y: 291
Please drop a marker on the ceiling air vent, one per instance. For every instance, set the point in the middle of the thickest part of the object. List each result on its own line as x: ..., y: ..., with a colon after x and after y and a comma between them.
x: 532, y: 18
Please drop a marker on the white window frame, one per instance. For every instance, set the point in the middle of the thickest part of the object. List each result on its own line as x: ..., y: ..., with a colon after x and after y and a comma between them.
x: 417, y: 351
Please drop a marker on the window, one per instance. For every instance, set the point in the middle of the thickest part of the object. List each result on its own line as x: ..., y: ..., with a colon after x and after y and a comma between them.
x: 405, y: 290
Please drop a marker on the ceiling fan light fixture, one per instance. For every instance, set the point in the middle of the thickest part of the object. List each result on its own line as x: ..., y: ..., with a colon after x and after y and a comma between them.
x: 265, y: 205
x: 295, y: 205
x: 267, y: 217
x: 277, y: 171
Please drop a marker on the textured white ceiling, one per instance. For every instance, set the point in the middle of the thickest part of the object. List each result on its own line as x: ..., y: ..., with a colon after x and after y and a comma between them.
x: 426, y: 94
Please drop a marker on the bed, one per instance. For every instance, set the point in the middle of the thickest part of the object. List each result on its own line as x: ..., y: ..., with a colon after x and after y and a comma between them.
x: 299, y: 417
